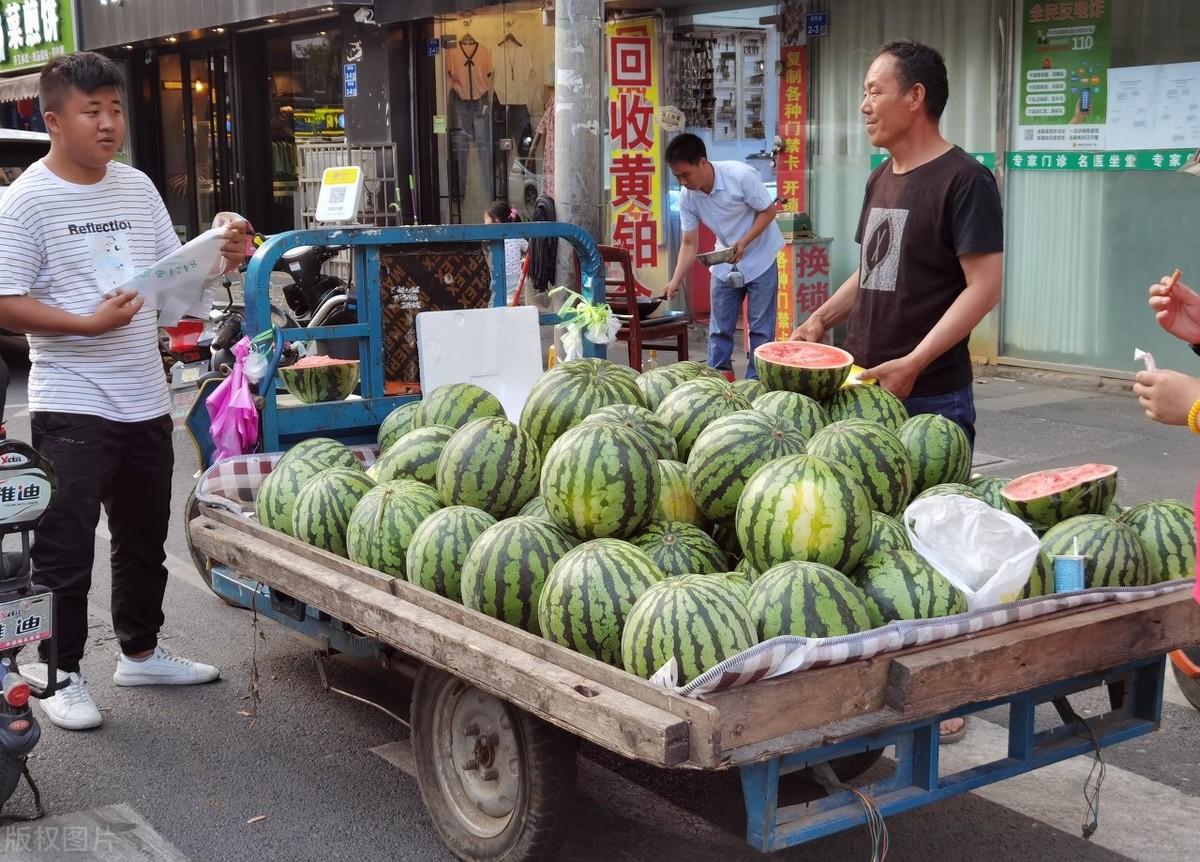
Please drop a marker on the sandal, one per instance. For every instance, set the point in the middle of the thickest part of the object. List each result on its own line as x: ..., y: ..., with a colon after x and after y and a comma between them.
x: 949, y: 737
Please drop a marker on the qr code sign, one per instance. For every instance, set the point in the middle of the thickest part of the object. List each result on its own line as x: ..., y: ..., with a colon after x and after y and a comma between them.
x: 337, y: 195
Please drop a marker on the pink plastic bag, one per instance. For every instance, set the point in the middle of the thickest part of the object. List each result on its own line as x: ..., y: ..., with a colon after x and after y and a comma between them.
x: 233, y: 417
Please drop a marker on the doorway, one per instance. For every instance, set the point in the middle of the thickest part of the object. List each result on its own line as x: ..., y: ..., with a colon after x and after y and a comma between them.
x: 197, y: 130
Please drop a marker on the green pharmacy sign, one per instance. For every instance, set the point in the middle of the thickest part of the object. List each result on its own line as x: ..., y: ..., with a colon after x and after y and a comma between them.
x: 34, y: 31
x: 1126, y: 160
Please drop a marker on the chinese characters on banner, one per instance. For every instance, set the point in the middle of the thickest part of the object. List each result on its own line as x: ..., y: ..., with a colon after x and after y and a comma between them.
x: 34, y: 31
x: 634, y: 179
x: 804, y: 277
x: 789, y: 176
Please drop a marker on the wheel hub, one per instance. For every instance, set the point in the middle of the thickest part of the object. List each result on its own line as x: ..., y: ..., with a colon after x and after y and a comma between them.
x: 480, y: 763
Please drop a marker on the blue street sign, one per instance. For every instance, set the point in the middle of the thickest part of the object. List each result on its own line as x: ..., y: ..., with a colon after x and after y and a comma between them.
x: 350, y: 75
x: 816, y: 24
x: 432, y: 47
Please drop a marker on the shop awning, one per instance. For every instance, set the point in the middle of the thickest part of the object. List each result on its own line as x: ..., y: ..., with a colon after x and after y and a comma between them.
x: 19, y: 87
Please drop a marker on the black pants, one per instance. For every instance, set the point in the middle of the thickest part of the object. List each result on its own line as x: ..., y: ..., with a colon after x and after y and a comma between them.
x: 126, y: 468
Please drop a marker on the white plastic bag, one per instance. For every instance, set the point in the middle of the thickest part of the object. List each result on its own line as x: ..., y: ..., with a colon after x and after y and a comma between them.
x: 986, y: 553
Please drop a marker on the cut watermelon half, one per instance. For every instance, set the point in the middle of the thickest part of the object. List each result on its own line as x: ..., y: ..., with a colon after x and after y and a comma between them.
x: 1047, y: 497
x: 815, y: 370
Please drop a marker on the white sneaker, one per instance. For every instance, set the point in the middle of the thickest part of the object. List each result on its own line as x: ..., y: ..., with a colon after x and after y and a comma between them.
x: 162, y: 668
x: 72, y: 707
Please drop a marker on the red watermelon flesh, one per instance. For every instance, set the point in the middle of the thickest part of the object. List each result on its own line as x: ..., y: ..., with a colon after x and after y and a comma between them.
x: 1050, y: 496
x: 815, y: 370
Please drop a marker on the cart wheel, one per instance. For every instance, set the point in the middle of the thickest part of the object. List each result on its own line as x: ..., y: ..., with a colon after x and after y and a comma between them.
x: 497, y: 782
x: 1189, y: 685
x: 202, y: 562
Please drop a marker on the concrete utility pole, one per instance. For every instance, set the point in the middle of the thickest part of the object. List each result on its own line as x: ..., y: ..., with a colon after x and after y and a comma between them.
x: 578, y: 107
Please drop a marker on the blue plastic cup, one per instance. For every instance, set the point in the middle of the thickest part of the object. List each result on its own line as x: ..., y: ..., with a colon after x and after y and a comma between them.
x: 1068, y: 573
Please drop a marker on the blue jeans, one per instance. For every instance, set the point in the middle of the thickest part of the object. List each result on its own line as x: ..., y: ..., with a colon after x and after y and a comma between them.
x: 957, y: 406
x: 726, y: 305
x: 471, y: 128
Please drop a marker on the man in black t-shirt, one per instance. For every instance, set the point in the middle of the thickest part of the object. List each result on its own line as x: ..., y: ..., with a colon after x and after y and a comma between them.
x: 932, y: 238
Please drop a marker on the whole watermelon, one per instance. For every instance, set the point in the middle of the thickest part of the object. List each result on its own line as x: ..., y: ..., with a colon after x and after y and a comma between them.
x: 807, y: 415
x: 750, y: 388
x: 506, y: 568
x: 900, y: 585
x: 588, y: 594
x: 675, y: 501
x: 887, y: 534
x: 570, y: 391
x: 439, y: 547
x: 324, y: 504
x: 490, y: 464
x: 456, y: 404
x: 873, y: 455
x: 987, y: 488
x: 691, y: 406
x: 600, y: 480
x: 656, y: 436
x: 655, y: 383
x: 937, y: 449
x: 1115, y: 554
x: 276, y: 497
x: 801, y: 507
x: 867, y: 402
x: 729, y: 451
x: 414, y: 455
x: 1168, y: 530
x: 396, y: 424
x: 536, y: 508
x: 806, y: 600
x: 678, y: 548
x: 383, y: 522
x: 695, y: 619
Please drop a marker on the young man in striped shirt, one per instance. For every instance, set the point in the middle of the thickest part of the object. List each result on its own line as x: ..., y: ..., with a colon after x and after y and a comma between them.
x: 73, y: 226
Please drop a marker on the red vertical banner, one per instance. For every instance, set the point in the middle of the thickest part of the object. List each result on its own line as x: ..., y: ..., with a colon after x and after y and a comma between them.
x: 793, y: 127
x: 785, y: 311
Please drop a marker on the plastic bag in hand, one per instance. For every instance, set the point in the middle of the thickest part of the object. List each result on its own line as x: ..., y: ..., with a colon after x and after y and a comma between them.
x: 231, y: 411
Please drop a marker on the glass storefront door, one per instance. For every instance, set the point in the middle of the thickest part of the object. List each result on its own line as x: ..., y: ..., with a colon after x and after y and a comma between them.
x: 196, y: 137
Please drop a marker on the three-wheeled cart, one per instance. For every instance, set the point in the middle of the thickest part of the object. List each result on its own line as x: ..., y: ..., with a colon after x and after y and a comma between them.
x: 496, y: 712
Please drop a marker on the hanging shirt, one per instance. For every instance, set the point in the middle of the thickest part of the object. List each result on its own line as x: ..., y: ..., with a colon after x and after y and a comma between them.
x: 470, y: 70
x: 515, y: 78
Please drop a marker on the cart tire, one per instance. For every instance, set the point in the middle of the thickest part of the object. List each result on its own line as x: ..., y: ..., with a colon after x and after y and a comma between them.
x: 497, y: 782
x: 202, y: 562
x: 1190, y: 686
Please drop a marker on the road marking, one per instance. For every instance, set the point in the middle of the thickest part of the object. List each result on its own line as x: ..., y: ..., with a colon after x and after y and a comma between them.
x: 1139, y: 817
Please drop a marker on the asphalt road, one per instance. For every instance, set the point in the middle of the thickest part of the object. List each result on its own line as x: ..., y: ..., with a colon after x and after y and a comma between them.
x: 266, y: 765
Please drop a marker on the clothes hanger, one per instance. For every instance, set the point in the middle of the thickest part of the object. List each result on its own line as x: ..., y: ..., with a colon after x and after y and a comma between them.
x: 467, y: 38
x: 509, y: 37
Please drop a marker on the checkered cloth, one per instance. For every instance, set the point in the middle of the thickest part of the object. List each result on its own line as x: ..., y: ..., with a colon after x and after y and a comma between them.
x: 233, y: 483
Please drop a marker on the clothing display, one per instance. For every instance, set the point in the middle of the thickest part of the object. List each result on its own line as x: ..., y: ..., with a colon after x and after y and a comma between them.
x: 469, y: 68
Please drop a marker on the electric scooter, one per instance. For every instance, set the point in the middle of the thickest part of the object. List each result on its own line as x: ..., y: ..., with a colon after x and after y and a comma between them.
x: 27, y: 487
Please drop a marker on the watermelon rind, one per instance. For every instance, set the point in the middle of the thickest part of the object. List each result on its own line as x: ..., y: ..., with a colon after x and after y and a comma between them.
x: 817, y: 383
x: 456, y: 404
x: 567, y: 393
x: 1087, y: 489
x: 1115, y: 556
x: 383, y: 522
x: 900, y: 585
x: 870, y: 402
x: 489, y: 464
x: 807, y: 600
x: 312, y: 383
x: 807, y: 415
x: 873, y: 455
x: 439, y: 546
x: 679, y: 548
x: 1168, y: 530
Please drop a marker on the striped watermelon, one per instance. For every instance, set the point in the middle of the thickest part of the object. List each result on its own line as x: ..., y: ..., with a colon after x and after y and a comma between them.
x: 746, y: 570
x: 396, y: 424
x: 383, y: 522
x: 729, y: 451
x: 887, y: 534
x: 564, y: 395
x: 600, y: 480
x: 323, y: 506
x: 938, y: 450
x: 1168, y: 530
x: 1116, y: 555
x: 656, y: 436
x: 506, y: 568
x: 947, y: 488
x: 314, y: 379
x: 807, y: 600
x: 678, y: 548
x: 900, y: 585
x: 750, y: 388
x: 588, y: 594
x: 276, y: 496
x: 1041, y: 578
x: 873, y: 455
x: 536, y: 508
x: 655, y: 383
x: 689, y: 407
x: 725, y: 535
x: 456, y: 404
x: 414, y: 456
x: 815, y: 370
x: 987, y: 488
x: 803, y: 412
x: 490, y: 464
x: 736, y: 581
x: 675, y: 501
x: 1047, y: 497
x: 804, y: 508
x: 867, y: 402
x: 695, y: 619
x: 439, y: 547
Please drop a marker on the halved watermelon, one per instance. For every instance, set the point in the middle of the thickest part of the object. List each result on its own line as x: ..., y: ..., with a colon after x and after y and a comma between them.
x: 320, y: 378
x: 1047, y: 497
x: 815, y: 370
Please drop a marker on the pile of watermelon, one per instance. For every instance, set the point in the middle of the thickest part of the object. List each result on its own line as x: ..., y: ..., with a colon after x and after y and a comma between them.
x: 638, y: 518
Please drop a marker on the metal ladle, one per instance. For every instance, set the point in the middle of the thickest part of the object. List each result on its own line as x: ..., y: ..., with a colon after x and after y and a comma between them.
x: 735, y: 279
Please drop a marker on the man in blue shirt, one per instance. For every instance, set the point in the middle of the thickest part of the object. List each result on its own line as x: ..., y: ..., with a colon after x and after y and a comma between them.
x: 730, y: 198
